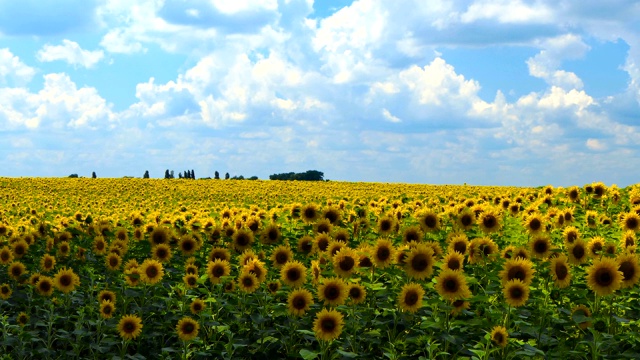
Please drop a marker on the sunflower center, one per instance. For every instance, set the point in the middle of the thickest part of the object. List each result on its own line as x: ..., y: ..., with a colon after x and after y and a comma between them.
x: 420, y: 262
x: 218, y: 271
x: 411, y: 298
x: 458, y: 303
x: 113, y: 261
x: 561, y: 271
x: 192, y: 280
x: 323, y: 244
x: 466, y: 220
x: 65, y: 280
x: 540, y: 246
x: 460, y: 247
x: 188, y: 328
x: 107, y: 310
x: 365, y: 262
x: 411, y: 236
x: 242, y: 240
x: 385, y: 225
x: 247, y: 281
x: 306, y: 246
x: 453, y: 264
x: 498, y: 337
x: 299, y: 302
x: 430, y: 221
x: 151, y: 272
x: 347, y: 263
x: 627, y: 269
x: 293, y: 274
x: 578, y: 252
x: 516, y: 292
x: 603, y: 277
x: 44, y: 286
x: 450, y: 285
x: 309, y: 213
x: 535, y: 224
x: 328, y: 325
x: 272, y: 235
x: 632, y: 223
x: 323, y: 228
x: 187, y: 246
x: 489, y: 221
x: 383, y: 253
x: 516, y: 273
x: 354, y: 292
x: 332, y: 292
x: 4, y: 256
x: 129, y: 327
x: 571, y: 237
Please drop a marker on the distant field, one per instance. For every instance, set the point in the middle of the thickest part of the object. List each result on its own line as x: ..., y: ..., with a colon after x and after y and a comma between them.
x: 149, y: 268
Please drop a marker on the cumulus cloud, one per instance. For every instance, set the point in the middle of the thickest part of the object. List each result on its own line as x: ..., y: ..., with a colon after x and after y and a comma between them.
x: 71, y: 53
x: 13, y: 71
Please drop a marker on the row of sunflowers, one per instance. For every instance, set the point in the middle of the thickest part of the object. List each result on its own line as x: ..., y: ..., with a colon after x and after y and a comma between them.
x: 133, y: 268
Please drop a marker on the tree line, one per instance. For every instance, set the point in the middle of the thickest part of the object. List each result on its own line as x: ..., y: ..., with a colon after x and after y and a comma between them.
x: 309, y: 175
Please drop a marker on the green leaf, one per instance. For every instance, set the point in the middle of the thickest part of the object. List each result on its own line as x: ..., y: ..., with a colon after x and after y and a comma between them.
x: 308, y: 355
x: 347, y: 354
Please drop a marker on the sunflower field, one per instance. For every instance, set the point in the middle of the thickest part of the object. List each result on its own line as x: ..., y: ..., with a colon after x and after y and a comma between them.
x: 200, y: 269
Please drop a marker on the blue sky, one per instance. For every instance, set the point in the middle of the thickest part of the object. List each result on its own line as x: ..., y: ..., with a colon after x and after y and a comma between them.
x: 489, y: 92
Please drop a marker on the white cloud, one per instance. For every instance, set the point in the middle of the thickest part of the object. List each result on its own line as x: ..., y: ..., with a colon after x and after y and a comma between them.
x: 546, y: 63
x: 508, y: 11
x: 70, y: 52
x: 387, y: 115
x: 13, y: 71
x: 595, y: 144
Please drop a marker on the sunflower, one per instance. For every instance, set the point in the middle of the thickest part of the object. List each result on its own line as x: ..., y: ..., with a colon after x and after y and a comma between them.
x: 160, y: 235
x: 341, y: 235
x: 482, y: 249
x: 516, y: 293
x: 34, y: 278
x: 357, y: 293
x: 628, y: 266
x: 299, y: 301
x: 570, y: 234
x: 113, y: 261
x: 577, y: 252
x: 256, y: 267
x: 383, y: 253
x: 151, y: 271
x: 328, y: 325
x: 454, y: 261
x: 248, y: 282
x: 191, y: 268
x: 99, y: 245
x: 130, y: 327
x: 132, y: 276
x: 490, y: 221
x: 6, y: 255
x: 188, y: 245
x: 333, y: 291
x: 161, y: 252
x: 107, y: 308
x: 190, y: 281
x: 334, y: 247
x: 45, y: 286
x: 458, y: 306
x: 499, y: 336
x: 603, y: 276
x: 66, y: 280
x: 466, y: 219
x: 217, y: 269
x: 419, y: 262
x: 540, y: 246
x: 452, y: 285
x: 458, y: 242
x: 410, y: 298
x: 630, y: 221
x: 219, y: 253
x: 22, y: 319
x: 20, y: 248
x: 595, y: 246
x: 534, y: 224
x: 5, y: 291
x: 47, y: 263
x: 412, y: 234
x: 521, y: 269
x: 386, y: 225
x: 274, y: 286
x: 64, y: 248
x: 332, y: 214
x: 560, y: 271
x: 344, y: 262
x: 107, y: 295
x: 309, y: 213
x: 581, y: 315
x: 323, y: 226
x: 305, y: 245
x: 321, y: 242
x: 271, y: 234
x: 591, y: 219
x: 628, y: 241
x: 242, y: 239
x: 197, y: 306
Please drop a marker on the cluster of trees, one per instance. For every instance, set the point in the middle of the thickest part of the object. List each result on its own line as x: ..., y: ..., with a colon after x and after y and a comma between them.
x: 309, y: 175
x: 188, y: 174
